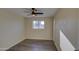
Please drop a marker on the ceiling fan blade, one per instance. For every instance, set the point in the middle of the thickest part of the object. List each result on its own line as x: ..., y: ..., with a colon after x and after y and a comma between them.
x: 27, y: 11
x: 38, y: 13
x: 32, y: 11
x: 28, y: 14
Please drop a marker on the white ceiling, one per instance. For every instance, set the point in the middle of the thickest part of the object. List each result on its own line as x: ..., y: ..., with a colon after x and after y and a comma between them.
x: 48, y: 12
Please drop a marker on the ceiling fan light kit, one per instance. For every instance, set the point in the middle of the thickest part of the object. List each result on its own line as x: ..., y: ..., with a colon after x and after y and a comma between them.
x: 33, y: 15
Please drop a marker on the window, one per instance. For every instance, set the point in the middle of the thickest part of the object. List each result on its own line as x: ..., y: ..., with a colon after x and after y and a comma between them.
x: 38, y: 24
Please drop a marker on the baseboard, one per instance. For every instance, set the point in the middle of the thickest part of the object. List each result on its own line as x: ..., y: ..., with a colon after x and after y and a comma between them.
x: 58, y: 49
x: 37, y: 39
x: 5, y: 49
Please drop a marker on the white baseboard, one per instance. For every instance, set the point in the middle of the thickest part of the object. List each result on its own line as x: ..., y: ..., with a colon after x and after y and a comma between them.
x: 37, y: 39
x: 4, y: 49
x: 58, y: 48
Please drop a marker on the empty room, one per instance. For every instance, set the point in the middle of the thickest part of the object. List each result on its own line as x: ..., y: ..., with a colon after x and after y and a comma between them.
x: 39, y: 29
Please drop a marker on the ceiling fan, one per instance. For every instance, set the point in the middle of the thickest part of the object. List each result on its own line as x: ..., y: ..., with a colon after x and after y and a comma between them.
x: 34, y: 12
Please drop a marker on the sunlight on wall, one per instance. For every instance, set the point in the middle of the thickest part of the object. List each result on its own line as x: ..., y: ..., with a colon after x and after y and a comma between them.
x: 65, y: 44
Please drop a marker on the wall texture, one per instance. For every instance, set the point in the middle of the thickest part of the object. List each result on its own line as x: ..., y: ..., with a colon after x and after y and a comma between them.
x: 11, y: 29
x: 43, y: 34
x: 66, y: 21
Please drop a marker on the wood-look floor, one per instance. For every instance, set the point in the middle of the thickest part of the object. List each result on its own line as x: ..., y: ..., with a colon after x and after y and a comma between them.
x: 34, y: 45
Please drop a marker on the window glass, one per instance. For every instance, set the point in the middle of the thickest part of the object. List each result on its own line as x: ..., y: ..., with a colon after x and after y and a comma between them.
x: 38, y: 24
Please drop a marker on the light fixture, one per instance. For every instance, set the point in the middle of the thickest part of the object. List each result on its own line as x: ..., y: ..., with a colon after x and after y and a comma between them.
x: 33, y: 15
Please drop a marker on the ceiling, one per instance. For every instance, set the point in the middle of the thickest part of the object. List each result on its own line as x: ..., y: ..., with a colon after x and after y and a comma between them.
x: 48, y: 12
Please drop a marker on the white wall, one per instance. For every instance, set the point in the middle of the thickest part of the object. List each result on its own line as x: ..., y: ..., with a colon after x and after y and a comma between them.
x: 43, y: 34
x: 66, y: 21
x: 77, y: 29
x: 65, y: 44
x: 11, y: 29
